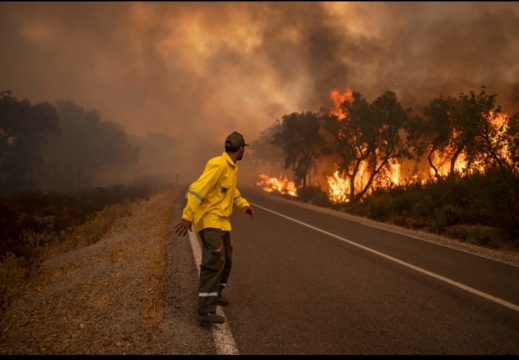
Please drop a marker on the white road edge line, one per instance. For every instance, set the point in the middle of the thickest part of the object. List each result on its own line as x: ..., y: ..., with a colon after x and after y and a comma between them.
x: 449, y: 281
x: 222, y: 334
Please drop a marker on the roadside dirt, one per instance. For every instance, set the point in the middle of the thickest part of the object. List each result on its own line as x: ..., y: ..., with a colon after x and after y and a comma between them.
x: 133, y: 292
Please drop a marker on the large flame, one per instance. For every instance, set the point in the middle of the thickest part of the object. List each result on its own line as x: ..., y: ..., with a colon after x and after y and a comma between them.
x: 338, y: 99
x: 338, y: 188
x: 281, y: 184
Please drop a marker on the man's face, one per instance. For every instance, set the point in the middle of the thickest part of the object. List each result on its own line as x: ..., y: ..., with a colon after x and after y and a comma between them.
x: 241, y: 151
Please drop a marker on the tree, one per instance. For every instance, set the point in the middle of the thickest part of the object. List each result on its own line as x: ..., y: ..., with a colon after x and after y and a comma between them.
x: 264, y: 153
x: 22, y: 130
x: 478, y: 130
x: 302, y: 143
x: 436, y: 133
x: 468, y: 129
x: 369, y: 138
x: 86, y: 147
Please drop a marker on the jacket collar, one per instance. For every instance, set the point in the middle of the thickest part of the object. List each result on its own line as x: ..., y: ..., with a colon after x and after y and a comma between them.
x: 229, y: 160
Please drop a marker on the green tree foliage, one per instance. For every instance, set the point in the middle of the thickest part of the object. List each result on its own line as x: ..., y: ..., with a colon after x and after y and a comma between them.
x: 22, y: 130
x: 87, y: 145
x: 302, y: 143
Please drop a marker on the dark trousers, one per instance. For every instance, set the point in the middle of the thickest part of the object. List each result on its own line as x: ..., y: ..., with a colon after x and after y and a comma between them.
x: 215, y: 267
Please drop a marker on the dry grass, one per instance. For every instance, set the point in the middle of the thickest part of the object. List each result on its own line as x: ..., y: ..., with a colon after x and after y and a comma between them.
x: 105, y: 289
x: 14, y: 272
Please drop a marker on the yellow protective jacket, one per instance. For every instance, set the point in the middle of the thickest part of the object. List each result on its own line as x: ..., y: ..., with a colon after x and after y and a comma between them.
x: 211, y: 198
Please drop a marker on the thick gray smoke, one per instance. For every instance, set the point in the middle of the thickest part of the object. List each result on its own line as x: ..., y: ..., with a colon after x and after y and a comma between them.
x: 198, y: 71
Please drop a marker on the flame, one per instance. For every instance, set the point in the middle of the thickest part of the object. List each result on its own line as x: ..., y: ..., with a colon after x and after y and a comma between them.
x: 338, y: 188
x: 395, y: 172
x: 460, y: 166
x: 444, y: 165
x: 281, y: 184
x: 338, y: 99
x: 498, y: 121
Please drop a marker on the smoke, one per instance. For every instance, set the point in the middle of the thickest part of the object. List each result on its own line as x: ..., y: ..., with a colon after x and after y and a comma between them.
x: 198, y: 71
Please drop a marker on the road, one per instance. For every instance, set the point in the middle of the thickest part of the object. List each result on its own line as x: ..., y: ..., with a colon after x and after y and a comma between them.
x: 311, y: 282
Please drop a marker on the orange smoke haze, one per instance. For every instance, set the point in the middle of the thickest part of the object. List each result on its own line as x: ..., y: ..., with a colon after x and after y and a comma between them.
x: 197, y: 71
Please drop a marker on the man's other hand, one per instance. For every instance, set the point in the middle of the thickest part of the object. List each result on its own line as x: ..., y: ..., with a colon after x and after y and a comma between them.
x: 183, y: 227
x: 248, y: 210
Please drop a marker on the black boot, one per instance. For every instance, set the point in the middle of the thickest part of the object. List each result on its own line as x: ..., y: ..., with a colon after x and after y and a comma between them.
x: 211, y: 317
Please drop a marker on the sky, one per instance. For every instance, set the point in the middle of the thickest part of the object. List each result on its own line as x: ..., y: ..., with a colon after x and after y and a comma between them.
x: 199, y: 70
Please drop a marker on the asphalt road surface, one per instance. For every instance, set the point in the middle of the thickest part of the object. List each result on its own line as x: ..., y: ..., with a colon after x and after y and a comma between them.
x: 311, y: 282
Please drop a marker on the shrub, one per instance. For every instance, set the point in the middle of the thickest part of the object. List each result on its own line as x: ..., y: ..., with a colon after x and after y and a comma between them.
x: 314, y: 195
x: 379, y: 207
x: 13, y: 270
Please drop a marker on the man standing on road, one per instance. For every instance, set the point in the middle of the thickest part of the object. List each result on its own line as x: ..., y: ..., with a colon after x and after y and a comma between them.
x: 210, y: 201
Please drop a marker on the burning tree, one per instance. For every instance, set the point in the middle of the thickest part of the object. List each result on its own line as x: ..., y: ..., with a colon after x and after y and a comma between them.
x: 303, y: 144
x: 368, y: 139
x: 464, y: 134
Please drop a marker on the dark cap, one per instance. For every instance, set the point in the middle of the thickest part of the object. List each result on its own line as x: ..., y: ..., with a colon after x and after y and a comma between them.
x: 235, y: 140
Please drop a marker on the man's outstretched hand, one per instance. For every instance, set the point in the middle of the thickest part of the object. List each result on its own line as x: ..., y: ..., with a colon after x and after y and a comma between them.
x: 248, y: 210
x: 183, y: 227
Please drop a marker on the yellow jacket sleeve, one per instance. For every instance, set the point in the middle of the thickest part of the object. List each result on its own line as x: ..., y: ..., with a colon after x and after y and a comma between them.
x: 199, y: 189
x: 239, y: 201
